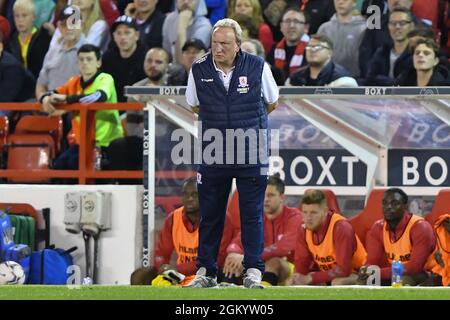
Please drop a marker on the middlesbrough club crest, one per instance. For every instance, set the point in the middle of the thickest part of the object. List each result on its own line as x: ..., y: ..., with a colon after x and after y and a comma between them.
x: 243, y: 85
x: 243, y: 82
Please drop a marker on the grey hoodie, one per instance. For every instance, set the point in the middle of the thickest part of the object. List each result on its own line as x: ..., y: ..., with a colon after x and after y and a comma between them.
x: 200, y: 28
x: 346, y: 38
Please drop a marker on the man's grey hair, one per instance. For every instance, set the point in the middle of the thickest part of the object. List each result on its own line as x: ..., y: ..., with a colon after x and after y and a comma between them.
x: 230, y: 23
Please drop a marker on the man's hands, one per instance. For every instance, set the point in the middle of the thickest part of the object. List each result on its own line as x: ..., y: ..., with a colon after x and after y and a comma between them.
x: 48, y: 104
x: 233, y: 265
x: 298, y: 279
x: 270, y: 107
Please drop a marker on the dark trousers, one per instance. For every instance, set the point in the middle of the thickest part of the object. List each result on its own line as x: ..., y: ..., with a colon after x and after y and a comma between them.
x: 68, y: 160
x: 214, y: 185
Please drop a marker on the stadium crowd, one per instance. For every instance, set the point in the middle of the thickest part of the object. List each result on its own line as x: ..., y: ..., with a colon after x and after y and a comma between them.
x: 154, y: 43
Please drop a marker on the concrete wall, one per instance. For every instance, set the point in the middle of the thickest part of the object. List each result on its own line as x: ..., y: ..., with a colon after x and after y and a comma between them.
x: 119, y: 248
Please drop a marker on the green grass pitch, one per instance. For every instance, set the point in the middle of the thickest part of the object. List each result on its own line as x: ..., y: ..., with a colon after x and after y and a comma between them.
x: 101, y: 292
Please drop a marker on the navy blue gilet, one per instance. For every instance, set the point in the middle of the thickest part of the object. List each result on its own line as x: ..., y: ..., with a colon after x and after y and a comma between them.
x: 239, y: 116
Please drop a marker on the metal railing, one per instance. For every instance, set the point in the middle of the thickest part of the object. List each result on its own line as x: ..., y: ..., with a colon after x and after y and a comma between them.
x: 86, y: 172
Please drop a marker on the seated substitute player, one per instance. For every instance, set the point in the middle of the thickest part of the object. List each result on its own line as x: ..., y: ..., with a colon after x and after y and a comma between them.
x: 439, y: 262
x: 399, y: 236
x: 92, y: 86
x: 179, y: 234
x: 280, y: 233
x: 328, y: 250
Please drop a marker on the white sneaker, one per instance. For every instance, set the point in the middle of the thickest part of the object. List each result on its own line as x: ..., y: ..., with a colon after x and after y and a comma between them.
x: 202, y: 281
x: 252, y: 279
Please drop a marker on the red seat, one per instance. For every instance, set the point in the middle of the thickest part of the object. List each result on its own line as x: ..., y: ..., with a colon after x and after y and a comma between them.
x: 29, y: 152
x: 4, y: 129
x: 372, y: 212
x: 42, y: 125
x: 168, y: 204
x: 441, y: 206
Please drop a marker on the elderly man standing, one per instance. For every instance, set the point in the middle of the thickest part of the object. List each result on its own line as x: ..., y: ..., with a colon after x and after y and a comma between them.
x: 232, y: 91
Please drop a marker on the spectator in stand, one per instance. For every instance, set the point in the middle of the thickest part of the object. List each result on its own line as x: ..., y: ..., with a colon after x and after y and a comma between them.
x: 280, y: 233
x: 91, y: 86
x: 163, y: 6
x: 156, y: 66
x: 44, y: 10
x: 400, y: 236
x: 321, y: 70
x: 29, y: 44
x: 192, y: 50
x: 216, y: 10
x: 439, y: 262
x: 375, y: 38
x: 249, y: 30
x: 5, y: 29
x: 150, y: 21
x: 390, y: 60
x: 252, y: 8
x: 427, y: 71
x: 273, y: 12
x: 109, y: 10
x: 423, y: 32
x: 180, y: 235
x: 125, y: 57
x: 59, y: 7
x: 318, y: 11
x: 253, y: 46
x: 288, y: 55
x: 60, y: 63
x: 93, y: 25
x: 186, y: 22
x: 328, y: 250
x: 16, y: 83
x: 345, y: 30
x: 126, y: 153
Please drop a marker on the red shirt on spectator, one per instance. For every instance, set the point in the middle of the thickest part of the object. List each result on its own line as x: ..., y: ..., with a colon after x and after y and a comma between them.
x: 280, y: 235
x: 266, y: 37
x: 343, y: 234
x: 422, y: 239
x: 110, y: 11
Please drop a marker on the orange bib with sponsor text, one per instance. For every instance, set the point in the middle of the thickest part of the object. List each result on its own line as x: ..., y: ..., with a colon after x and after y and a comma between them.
x: 401, y: 249
x: 324, y: 253
x: 185, y: 242
x: 443, y: 247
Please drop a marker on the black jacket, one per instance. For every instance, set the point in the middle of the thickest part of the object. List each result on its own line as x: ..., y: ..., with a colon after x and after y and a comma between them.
x: 440, y: 77
x: 378, y: 74
x: 125, y: 72
x: 331, y: 72
x: 40, y: 41
x: 150, y: 32
x: 16, y: 83
x: 374, y: 39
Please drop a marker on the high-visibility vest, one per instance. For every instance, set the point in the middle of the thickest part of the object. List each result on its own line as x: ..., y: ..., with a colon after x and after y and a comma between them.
x: 185, y: 242
x: 324, y: 253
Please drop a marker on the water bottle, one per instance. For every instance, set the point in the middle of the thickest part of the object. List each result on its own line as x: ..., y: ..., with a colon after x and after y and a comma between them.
x: 97, y: 157
x: 397, y: 274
